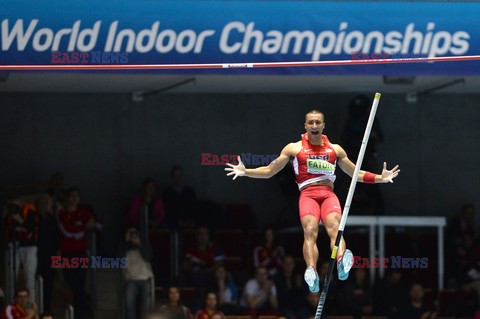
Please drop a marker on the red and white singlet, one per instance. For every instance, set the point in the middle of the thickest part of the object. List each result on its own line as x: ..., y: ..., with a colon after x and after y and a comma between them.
x: 314, y: 163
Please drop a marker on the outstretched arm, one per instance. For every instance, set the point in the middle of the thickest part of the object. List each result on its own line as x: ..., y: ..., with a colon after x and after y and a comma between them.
x: 348, y: 167
x: 264, y: 171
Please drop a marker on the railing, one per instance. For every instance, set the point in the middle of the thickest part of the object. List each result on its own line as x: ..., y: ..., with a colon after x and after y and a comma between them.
x: 92, y: 251
x: 9, y: 273
x: 175, y: 254
x: 39, y: 293
x: 151, y: 301
x: 69, y: 312
x: 376, y: 222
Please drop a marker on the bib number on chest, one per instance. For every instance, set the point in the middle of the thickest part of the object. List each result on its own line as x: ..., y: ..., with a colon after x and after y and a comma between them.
x: 316, y: 166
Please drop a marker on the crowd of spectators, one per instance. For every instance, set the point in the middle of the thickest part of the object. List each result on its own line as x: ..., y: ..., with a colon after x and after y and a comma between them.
x: 269, y: 282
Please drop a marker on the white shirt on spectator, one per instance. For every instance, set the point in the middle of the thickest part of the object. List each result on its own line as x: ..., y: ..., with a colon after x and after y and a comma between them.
x: 253, y: 289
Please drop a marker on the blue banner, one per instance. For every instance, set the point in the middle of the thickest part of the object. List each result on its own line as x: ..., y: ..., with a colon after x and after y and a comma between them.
x: 160, y: 32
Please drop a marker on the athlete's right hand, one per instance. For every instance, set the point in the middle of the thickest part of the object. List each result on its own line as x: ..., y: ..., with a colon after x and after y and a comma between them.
x: 236, y: 170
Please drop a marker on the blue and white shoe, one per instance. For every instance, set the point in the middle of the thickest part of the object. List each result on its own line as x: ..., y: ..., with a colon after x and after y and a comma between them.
x: 344, y: 265
x: 312, y: 280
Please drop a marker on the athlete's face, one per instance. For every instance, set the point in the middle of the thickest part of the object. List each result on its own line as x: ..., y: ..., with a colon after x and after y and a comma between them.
x: 314, y: 125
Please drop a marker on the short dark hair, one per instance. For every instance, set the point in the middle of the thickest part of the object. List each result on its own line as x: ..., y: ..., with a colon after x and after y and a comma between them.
x: 314, y: 111
x: 209, y: 291
x: 46, y: 314
x: 19, y: 290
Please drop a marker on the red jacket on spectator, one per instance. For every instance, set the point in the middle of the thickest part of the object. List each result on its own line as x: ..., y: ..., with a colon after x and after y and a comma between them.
x: 204, y: 258
x: 203, y: 314
x: 14, y: 311
x: 73, y: 229
x: 269, y: 258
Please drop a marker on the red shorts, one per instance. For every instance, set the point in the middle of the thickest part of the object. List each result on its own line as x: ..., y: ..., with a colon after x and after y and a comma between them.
x: 318, y: 201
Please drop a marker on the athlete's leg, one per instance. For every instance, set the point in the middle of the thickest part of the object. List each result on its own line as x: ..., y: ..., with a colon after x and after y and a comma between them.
x: 331, y: 217
x: 310, y: 233
x: 332, y: 222
x: 310, y: 216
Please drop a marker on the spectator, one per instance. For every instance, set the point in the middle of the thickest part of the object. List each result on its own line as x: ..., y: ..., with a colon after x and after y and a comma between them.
x: 23, y: 233
x: 174, y: 309
x: 154, y: 315
x: 74, y: 222
x: 355, y: 295
x: 460, y: 247
x: 462, y: 223
x: 22, y: 308
x: 416, y: 308
x: 390, y: 294
x: 56, y: 188
x: 361, y: 290
x: 46, y: 315
x: 226, y: 290
x: 180, y: 201
x: 290, y: 289
x: 312, y: 300
x: 2, y: 299
x: 147, y: 201
x: 210, y: 311
x: 201, y: 258
x: 269, y: 255
x: 138, y: 273
x: 260, y: 294
x: 470, y: 305
x: 48, y: 245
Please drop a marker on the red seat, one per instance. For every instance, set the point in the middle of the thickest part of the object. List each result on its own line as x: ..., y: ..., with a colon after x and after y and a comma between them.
x: 161, y: 245
x: 449, y: 297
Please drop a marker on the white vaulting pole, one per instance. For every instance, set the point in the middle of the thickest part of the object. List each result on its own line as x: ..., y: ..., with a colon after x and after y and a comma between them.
x: 358, y: 164
x: 346, y: 208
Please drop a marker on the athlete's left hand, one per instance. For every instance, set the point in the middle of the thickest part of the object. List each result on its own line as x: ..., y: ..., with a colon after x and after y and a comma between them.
x: 389, y: 175
x: 236, y: 170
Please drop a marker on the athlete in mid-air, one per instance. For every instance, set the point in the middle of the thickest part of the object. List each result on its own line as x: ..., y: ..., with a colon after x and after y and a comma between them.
x: 314, y: 159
